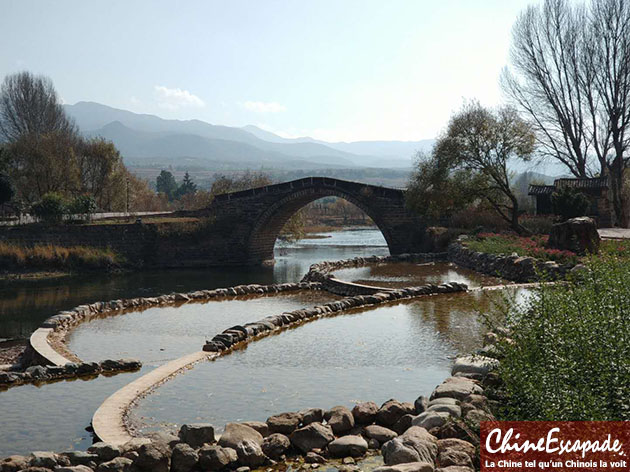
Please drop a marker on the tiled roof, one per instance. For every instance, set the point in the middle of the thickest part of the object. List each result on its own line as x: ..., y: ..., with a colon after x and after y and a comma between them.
x: 595, y: 183
x: 541, y: 189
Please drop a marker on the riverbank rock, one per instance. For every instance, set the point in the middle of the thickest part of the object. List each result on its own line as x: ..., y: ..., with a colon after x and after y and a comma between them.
x: 13, y: 463
x: 260, y: 426
x: 409, y: 467
x: 445, y: 446
x: 312, y: 415
x: 353, y: 446
x: 391, y: 411
x: 213, y: 457
x: 415, y: 445
x: 250, y: 453
x: 474, y: 365
x: 284, y: 423
x: 275, y: 445
x: 380, y: 433
x: 197, y: 434
x: 119, y: 464
x: 365, y: 412
x: 456, y: 387
x: 153, y: 457
x: 105, y: 452
x: 184, y: 458
x: 576, y: 234
x: 312, y: 436
x: 236, y: 433
x: 340, y: 419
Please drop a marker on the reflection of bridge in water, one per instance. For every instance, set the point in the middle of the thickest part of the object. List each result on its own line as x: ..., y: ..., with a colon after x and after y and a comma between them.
x: 252, y: 219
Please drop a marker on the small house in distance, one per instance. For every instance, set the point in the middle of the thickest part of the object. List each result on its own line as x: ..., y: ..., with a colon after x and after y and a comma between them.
x: 596, y: 189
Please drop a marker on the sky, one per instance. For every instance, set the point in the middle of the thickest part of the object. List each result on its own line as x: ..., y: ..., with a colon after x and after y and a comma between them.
x: 336, y: 70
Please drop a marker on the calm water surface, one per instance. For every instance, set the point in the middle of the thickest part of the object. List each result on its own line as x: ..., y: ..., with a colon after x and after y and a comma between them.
x: 54, y: 416
x: 399, y: 351
x: 404, y: 274
x: 24, y: 305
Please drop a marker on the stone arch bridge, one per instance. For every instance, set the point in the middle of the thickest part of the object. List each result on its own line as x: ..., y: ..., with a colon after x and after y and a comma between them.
x: 251, y: 220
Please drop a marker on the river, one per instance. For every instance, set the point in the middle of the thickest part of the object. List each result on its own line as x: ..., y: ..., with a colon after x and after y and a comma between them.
x: 399, y: 350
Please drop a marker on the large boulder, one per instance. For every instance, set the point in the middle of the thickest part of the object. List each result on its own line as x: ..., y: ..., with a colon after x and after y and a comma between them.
x: 213, y: 457
x: 457, y: 388
x: 275, y: 445
x: 250, y: 453
x: 13, y: 464
x: 474, y: 365
x: 235, y: 433
x: 365, y: 412
x: 118, y: 464
x: 354, y: 446
x: 340, y: 419
x: 380, y: 433
x: 284, y: 423
x: 260, y: 426
x: 415, y: 445
x: 312, y: 415
x: 576, y: 234
x: 391, y: 411
x: 153, y: 457
x: 197, y: 434
x: 184, y: 458
x: 105, y: 452
x: 312, y: 436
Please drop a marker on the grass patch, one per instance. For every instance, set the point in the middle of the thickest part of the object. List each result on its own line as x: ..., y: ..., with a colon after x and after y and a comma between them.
x: 569, y: 354
x: 57, y: 257
x: 532, y: 246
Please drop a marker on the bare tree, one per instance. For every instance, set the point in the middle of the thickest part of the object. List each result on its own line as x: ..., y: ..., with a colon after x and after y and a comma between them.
x: 570, y: 75
x: 607, y: 60
x: 545, y: 81
x: 29, y: 105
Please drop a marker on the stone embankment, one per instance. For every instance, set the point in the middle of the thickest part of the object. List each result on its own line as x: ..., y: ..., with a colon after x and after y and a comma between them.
x: 71, y: 370
x: 241, y: 334
x: 322, y: 272
x: 510, y: 267
x: 435, y: 434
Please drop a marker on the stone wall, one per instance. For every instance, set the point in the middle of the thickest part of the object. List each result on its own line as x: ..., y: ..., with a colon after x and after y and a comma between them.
x: 152, y: 245
x: 512, y: 267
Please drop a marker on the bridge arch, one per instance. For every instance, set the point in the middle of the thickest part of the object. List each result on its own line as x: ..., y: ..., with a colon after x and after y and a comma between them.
x: 252, y: 219
x: 267, y: 228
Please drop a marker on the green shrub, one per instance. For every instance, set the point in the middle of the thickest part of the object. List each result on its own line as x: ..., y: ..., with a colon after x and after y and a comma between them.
x: 51, y: 209
x: 568, y: 203
x: 569, y: 358
x: 83, y: 205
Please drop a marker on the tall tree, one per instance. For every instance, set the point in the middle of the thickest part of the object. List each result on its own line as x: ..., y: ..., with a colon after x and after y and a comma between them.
x: 29, y: 105
x: 187, y: 187
x: 570, y: 75
x: 165, y: 183
x: 470, y: 162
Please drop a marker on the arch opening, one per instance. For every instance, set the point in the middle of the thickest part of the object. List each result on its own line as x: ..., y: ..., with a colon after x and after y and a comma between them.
x: 268, y: 229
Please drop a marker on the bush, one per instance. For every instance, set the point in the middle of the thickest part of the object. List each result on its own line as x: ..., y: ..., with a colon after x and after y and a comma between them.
x: 50, y: 209
x: 569, y: 358
x: 49, y: 257
x: 568, y: 203
x: 83, y: 205
x: 6, y: 189
x: 537, y: 224
x: 533, y: 246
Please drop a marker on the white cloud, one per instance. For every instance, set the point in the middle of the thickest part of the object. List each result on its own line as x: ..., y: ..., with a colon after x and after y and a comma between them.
x: 174, y: 98
x: 264, y: 107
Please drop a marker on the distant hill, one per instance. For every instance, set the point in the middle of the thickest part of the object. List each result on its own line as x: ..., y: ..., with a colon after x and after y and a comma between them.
x: 148, y: 137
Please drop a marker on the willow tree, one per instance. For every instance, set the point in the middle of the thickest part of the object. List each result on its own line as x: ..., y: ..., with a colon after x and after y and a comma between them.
x: 470, y: 162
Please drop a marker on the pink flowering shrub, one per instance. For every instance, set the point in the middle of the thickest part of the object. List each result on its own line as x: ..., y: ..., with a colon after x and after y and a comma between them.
x: 532, y: 246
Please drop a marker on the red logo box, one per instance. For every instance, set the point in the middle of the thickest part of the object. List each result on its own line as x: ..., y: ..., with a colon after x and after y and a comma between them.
x: 556, y: 446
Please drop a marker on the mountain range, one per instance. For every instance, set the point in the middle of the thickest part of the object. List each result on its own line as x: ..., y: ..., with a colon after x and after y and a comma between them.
x: 149, y: 140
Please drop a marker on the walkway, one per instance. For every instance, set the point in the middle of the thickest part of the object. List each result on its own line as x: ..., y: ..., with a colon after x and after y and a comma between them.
x: 614, y: 233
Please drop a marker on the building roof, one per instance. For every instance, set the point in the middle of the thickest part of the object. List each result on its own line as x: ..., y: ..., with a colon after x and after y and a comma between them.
x: 594, y: 183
